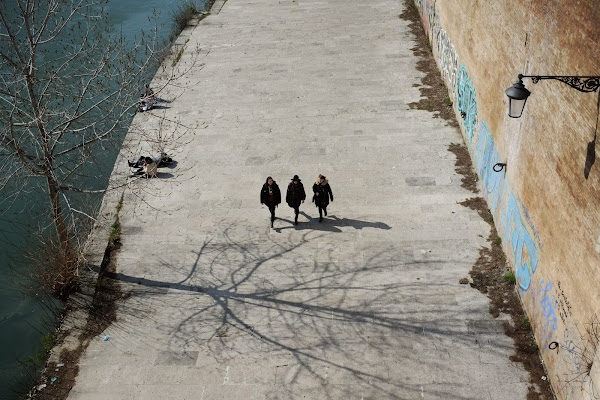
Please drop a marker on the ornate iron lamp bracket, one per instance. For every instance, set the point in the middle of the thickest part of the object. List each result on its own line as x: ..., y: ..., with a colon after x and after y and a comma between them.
x: 584, y: 84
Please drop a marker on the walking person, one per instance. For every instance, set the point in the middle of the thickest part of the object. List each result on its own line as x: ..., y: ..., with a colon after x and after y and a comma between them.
x: 322, y: 195
x: 270, y: 195
x: 295, y: 196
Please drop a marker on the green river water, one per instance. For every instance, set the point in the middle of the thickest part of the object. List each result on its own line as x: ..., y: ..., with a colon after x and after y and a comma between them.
x: 24, y: 320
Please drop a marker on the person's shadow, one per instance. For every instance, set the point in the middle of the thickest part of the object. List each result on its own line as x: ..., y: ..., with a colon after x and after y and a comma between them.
x: 155, y: 107
x: 330, y: 223
x: 164, y: 175
x: 171, y: 165
x: 159, y: 175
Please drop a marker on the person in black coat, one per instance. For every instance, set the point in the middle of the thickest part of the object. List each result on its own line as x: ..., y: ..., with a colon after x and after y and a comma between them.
x: 322, y: 194
x: 271, y: 196
x: 295, y: 196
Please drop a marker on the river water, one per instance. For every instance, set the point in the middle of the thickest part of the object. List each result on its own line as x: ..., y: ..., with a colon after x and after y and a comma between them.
x: 24, y: 319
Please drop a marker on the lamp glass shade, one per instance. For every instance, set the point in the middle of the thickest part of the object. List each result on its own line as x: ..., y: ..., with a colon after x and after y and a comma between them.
x: 517, y: 95
x: 515, y: 107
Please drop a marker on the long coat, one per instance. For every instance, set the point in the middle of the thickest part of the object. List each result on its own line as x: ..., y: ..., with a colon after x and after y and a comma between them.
x: 264, y: 194
x: 295, y: 194
x: 324, y: 191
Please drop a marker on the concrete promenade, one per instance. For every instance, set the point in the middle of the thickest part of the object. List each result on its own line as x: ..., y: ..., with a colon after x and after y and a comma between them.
x: 367, y: 304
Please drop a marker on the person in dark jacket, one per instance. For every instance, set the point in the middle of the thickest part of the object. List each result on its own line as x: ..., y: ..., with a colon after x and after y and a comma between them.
x: 322, y: 194
x: 295, y: 196
x: 270, y: 195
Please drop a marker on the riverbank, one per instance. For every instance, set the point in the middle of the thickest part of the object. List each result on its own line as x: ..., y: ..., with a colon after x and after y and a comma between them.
x: 91, y: 310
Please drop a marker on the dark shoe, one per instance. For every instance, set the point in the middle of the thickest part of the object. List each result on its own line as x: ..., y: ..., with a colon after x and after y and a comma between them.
x: 325, y: 210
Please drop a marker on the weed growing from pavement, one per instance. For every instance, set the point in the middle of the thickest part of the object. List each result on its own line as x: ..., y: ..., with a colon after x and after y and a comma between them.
x: 510, y: 278
x: 177, y: 57
x: 526, y: 323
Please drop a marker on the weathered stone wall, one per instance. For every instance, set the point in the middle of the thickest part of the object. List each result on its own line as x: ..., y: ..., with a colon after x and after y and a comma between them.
x: 546, y: 205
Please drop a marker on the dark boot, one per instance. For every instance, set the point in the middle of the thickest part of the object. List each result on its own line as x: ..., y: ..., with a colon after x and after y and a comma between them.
x: 325, y: 211
x: 320, y: 214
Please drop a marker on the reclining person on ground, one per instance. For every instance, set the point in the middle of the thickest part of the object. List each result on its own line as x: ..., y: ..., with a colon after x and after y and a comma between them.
x: 162, y: 160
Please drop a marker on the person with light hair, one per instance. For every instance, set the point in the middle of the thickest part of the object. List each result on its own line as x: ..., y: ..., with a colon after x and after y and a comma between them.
x: 322, y: 194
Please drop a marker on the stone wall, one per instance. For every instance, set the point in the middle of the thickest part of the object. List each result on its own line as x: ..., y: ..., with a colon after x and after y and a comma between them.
x: 546, y: 204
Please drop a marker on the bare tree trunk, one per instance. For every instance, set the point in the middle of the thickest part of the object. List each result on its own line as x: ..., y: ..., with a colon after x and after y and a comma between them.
x: 57, y: 214
x: 66, y: 271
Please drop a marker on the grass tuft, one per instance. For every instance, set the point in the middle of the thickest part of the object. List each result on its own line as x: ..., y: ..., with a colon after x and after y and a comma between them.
x: 182, y: 17
x: 510, y: 278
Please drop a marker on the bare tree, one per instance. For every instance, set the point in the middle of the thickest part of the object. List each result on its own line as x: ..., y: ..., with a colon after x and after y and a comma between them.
x: 68, y: 89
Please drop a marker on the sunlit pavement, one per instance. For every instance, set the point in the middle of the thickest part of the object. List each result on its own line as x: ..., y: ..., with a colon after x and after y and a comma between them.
x: 366, y: 304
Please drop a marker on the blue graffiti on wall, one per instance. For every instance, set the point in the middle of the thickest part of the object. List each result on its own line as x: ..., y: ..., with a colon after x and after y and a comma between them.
x: 494, y: 184
x: 467, y: 101
x: 448, y: 58
x: 524, y: 249
x: 548, y: 305
x: 433, y: 19
x: 572, y: 346
x: 495, y: 187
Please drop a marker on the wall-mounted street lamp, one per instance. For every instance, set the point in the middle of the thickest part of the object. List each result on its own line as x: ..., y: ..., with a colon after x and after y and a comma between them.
x: 518, y: 93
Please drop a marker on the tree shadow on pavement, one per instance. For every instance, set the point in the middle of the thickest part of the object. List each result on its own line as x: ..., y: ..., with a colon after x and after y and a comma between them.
x: 330, y: 319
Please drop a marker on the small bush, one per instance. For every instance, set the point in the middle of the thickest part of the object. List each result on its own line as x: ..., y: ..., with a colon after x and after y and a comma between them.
x: 48, y: 342
x: 177, y: 57
x: 57, y: 273
x: 182, y: 17
x: 510, y: 278
x: 498, y: 241
x: 115, y: 231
